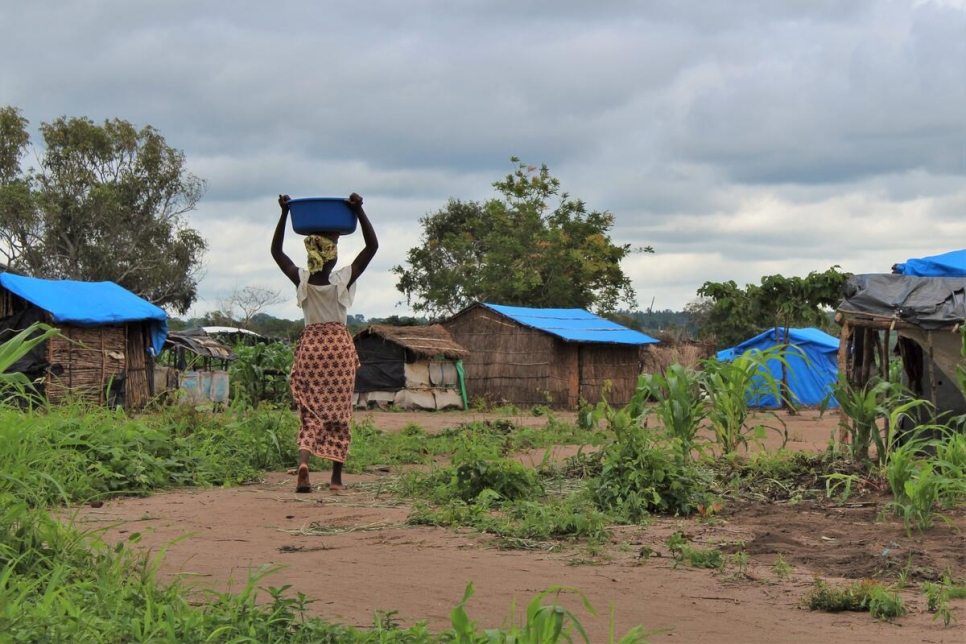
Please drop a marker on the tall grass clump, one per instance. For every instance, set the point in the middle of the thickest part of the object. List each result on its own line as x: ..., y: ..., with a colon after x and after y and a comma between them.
x: 542, y: 623
x: 874, y: 415
x: 732, y: 387
x: 677, y: 402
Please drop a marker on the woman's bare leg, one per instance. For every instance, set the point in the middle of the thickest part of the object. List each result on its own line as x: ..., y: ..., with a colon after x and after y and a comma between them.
x: 336, y: 483
x: 302, y: 484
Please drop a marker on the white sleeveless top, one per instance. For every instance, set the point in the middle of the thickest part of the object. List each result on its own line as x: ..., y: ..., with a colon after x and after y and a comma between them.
x: 328, y: 303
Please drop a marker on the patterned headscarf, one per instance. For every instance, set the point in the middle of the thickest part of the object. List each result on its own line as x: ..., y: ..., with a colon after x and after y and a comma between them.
x: 320, y: 250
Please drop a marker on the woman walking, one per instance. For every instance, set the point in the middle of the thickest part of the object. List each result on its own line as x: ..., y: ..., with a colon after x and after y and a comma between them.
x: 323, y: 374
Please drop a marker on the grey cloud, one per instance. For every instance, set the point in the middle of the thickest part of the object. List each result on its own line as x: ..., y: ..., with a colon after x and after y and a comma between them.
x: 858, y: 104
x: 674, y: 116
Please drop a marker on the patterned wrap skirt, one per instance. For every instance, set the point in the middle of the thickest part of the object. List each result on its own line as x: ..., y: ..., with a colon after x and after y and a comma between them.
x: 323, y: 379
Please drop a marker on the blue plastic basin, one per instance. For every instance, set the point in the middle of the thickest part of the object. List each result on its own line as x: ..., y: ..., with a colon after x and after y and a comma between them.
x: 321, y: 214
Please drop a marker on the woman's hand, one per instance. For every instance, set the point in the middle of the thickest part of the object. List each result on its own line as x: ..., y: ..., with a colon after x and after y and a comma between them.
x: 354, y: 201
x: 283, y: 202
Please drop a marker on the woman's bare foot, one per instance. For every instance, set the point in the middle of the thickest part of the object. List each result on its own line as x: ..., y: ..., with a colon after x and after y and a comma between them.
x: 335, y: 483
x: 302, y: 485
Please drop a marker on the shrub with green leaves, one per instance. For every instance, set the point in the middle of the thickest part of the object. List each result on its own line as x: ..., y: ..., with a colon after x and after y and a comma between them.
x: 467, y: 480
x: 644, y: 473
x: 259, y: 374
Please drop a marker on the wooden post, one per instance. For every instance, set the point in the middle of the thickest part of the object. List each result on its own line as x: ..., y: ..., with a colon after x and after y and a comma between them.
x: 863, y: 355
x: 573, y: 375
x: 884, y: 355
x: 101, y: 394
x: 844, y: 338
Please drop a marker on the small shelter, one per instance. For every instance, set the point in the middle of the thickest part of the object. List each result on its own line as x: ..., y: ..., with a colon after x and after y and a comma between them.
x: 924, y: 303
x: 812, y: 359
x: 409, y: 367
x: 108, y: 337
x: 561, y: 357
x: 230, y: 334
x: 196, y: 364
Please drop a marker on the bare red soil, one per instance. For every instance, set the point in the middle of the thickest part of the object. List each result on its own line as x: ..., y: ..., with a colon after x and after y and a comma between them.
x: 354, y: 554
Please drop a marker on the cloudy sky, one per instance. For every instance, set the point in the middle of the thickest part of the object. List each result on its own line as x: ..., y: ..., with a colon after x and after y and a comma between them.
x: 740, y: 138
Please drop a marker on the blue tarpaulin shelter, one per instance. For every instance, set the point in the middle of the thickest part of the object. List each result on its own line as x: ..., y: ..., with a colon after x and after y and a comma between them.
x: 812, y: 364
x: 87, y: 304
x: 101, y: 354
x: 951, y: 264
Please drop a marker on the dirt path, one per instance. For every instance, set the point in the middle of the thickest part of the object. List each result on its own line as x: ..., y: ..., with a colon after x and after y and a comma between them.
x: 353, y: 553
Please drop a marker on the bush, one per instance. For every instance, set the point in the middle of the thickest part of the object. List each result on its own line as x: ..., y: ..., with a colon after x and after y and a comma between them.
x: 643, y: 474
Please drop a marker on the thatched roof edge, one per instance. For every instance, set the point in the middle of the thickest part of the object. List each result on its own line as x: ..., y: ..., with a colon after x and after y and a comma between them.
x: 432, y: 340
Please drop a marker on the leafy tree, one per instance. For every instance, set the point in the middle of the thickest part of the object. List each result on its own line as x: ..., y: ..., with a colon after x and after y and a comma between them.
x: 106, y: 204
x: 696, y: 313
x: 16, y: 201
x: 400, y: 320
x: 778, y: 302
x: 517, y: 250
x: 676, y: 323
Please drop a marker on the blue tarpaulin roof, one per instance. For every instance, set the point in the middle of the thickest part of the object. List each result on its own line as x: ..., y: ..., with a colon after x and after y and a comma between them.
x: 811, y: 371
x: 86, y: 304
x: 573, y: 325
x: 951, y: 264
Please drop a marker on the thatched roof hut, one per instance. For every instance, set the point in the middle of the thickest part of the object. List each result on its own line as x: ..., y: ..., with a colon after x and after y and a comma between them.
x: 107, y: 335
x: 528, y: 356
x: 409, y: 367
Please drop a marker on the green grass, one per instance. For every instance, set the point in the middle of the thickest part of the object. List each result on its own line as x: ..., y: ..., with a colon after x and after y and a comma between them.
x: 880, y: 601
x: 77, y: 452
x: 58, y: 583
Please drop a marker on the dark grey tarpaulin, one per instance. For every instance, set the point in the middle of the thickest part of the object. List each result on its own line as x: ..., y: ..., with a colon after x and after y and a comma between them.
x: 927, y: 302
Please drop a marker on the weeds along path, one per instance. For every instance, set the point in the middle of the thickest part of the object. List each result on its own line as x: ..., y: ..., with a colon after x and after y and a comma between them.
x: 354, y: 554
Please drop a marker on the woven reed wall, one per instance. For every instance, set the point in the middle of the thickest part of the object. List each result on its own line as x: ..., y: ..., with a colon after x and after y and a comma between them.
x: 7, y: 303
x: 600, y: 363
x: 508, y: 363
x: 136, y: 386
x: 89, y: 357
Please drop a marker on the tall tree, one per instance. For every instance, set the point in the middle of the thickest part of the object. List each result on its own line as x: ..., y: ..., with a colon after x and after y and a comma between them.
x: 244, y: 303
x: 517, y: 250
x: 17, y: 213
x: 737, y: 314
x: 107, y: 203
